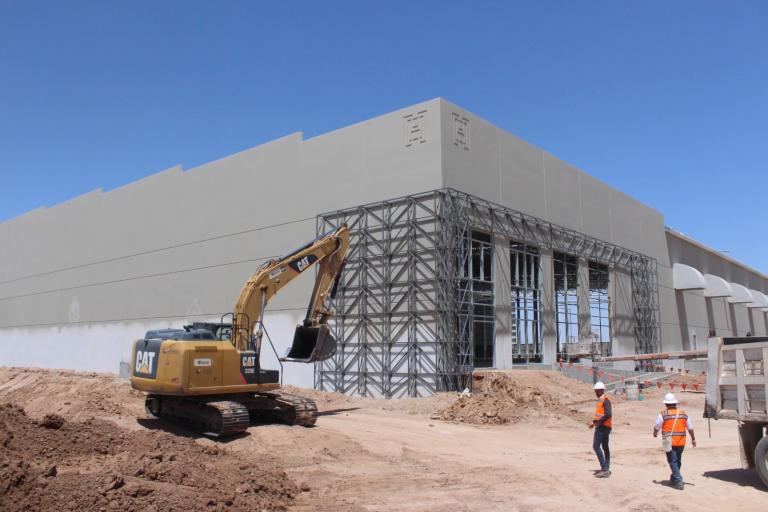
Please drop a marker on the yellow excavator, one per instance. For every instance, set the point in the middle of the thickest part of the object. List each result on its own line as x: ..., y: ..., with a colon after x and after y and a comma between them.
x: 213, y: 384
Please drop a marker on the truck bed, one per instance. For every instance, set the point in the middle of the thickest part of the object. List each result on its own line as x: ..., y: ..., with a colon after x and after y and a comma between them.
x: 737, y: 381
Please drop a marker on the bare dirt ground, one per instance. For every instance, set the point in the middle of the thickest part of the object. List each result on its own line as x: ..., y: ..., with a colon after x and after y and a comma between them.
x: 519, y: 443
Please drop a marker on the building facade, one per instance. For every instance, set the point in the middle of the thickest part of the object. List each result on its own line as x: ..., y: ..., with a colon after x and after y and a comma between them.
x: 471, y: 248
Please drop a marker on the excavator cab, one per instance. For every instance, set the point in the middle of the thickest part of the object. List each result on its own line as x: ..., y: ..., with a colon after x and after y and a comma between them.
x: 311, y: 345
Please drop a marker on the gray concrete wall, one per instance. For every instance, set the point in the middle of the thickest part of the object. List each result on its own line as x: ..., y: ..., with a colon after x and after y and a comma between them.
x: 689, y: 252
x: 695, y: 314
x: 583, y: 294
x: 719, y: 316
x: 502, y: 294
x: 494, y: 164
x: 80, y: 280
x: 693, y: 318
x: 179, y: 245
x: 548, y: 307
x: 484, y: 160
x: 623, y: 317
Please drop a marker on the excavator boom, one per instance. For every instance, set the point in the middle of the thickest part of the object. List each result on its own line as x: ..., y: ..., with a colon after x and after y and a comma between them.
x: 312, y: 341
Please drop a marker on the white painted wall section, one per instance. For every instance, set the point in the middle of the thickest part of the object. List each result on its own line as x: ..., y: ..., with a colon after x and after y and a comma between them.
x: 101, y: 347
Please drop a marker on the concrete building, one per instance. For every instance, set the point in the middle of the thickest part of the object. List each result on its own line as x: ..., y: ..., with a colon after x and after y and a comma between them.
x: 471, y: 248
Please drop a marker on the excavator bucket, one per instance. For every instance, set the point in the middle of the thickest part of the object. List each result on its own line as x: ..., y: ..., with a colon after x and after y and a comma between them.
x: 311, y: 344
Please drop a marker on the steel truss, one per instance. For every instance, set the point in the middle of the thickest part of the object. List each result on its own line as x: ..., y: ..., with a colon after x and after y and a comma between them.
x: 403, y: 324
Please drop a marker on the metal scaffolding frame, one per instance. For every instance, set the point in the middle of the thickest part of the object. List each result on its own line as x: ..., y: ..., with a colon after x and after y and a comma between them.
x: 404, y: 318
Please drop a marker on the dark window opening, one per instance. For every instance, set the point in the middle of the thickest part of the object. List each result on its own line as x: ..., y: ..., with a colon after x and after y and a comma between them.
x: 566, y: 271
x: 599, y: 309
x: 477, y: 277
x: 525, y: 275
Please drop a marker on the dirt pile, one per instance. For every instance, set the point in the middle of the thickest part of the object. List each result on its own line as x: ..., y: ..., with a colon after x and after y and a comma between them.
x: 55, y: 464
x: 501, y: 397
x: 70, y: 394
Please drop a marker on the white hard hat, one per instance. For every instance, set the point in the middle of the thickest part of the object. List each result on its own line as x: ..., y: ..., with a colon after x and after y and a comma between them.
x: 599, y: 385
x: 670, y: 399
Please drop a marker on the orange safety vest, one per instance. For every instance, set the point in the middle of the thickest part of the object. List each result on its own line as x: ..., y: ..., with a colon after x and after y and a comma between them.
x: 678, y: 434
x: 600, y: 411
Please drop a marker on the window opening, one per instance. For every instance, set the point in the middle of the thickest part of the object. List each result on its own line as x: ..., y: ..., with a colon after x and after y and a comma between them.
x: 525, y: 274
x: 478, y: 276
x: 599, y: 309
x: 566, y: 270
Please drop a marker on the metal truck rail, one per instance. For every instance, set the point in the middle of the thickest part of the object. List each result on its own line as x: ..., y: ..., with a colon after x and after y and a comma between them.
x: 737, y: 389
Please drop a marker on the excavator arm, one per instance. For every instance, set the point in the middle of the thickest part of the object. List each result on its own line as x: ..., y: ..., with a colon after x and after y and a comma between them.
x: 330, y: 251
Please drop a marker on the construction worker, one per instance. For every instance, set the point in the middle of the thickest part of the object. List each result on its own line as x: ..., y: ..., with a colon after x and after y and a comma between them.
x: 602, y: 423
x: 673, y: 422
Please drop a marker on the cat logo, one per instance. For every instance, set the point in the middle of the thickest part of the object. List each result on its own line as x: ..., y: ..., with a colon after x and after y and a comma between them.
x: 302, y: 263
x: 249, y: 361
x: 145, y: 361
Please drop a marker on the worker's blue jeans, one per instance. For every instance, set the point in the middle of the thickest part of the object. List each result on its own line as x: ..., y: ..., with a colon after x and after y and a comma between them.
x: 675, y: 460
x: 600, y: 445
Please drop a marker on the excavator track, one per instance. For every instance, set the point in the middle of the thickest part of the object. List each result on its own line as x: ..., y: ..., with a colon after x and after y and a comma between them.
x: 209, y: 417
x: 293, y: 409
x: 230, y: 415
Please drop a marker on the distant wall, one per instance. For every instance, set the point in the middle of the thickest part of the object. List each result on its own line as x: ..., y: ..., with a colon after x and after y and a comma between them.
x: 697, y: 314
x: 707, y: 261
x: 80, y: 279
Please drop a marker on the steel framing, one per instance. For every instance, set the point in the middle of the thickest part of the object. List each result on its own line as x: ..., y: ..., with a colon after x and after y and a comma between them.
x: 402, y: 325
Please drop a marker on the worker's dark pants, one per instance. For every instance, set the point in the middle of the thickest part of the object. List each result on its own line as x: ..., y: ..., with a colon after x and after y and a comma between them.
x: 675, y: 460
x: 600, y: 445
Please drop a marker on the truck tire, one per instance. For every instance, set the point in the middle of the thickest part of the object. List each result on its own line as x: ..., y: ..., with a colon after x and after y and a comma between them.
x: 761, y: 460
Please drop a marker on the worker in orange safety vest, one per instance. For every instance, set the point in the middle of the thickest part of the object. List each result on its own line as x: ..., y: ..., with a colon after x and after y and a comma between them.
x: 602, y: 422
x: 673, y: 423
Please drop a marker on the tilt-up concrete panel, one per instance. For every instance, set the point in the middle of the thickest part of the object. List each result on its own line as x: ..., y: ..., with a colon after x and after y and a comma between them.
x: 583, y: 300
x: 502, y: 293
x: 623, y: 320
x: 548, y: 312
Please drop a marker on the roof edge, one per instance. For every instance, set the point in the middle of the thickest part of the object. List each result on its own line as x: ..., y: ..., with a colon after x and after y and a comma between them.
x: 715, y: 252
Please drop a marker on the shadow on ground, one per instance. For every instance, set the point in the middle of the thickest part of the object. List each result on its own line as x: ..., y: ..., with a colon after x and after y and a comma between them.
x: 333, y: 412
x: 742, y: 477
x: 157, y: 424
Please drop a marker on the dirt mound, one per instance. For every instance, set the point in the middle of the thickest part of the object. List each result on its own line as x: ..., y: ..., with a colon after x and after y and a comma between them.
x: 95, y: 465
x: 520, y: 395
x: 72, y: 395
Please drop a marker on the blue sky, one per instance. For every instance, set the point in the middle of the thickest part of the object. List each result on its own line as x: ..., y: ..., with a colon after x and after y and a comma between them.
x: 665, y: 100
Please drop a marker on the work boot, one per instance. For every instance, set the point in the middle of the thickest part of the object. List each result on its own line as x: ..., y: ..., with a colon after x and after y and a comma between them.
x: 603, y: 474
x: 679, y: 486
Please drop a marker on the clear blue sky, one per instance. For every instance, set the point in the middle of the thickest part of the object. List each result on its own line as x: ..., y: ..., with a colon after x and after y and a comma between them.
x: 666, y: 100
